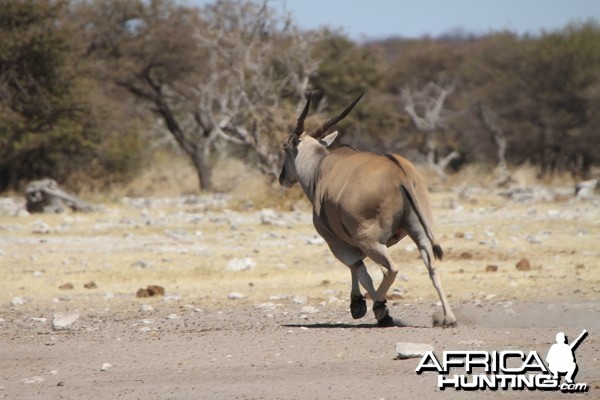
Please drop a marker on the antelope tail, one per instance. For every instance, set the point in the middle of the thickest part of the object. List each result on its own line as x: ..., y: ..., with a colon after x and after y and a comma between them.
x: 438, y: 253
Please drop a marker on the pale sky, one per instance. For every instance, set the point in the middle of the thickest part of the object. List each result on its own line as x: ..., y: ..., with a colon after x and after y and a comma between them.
x: 374, y: 19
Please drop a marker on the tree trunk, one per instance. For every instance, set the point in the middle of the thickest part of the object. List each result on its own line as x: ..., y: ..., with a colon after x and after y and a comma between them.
x: 430, y: 147
x: 203, y: 170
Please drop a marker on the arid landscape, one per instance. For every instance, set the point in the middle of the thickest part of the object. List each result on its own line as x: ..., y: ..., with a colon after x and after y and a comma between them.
x: 256, y: 307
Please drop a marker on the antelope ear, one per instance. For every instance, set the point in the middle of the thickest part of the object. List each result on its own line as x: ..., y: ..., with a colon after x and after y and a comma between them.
x: 329, y: 139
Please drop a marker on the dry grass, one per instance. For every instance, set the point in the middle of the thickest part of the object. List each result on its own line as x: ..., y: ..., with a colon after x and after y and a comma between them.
x: 186, y: 248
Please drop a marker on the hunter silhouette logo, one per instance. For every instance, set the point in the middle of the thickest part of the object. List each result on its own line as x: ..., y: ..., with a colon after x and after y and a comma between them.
x: 561, y: 356
x: 508, y: 369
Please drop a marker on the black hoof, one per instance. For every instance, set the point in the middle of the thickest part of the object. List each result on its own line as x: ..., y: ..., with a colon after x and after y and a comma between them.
x: 386, y: 322
x: 358, y: 307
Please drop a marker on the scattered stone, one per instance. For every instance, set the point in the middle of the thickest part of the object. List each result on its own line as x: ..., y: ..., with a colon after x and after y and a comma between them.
x: 534, y: 239
x: 316, y: 240
x: 40, y: 227
x: 270, y: 217
x: 396, y: 294
x: 105, y: 367
x: 173, y: 316
x: 141, y: 264
x: 109, y: 295
x: 35, y: 379
x: 90, y: 285
x: 151, y: 291
x: 17, y: 301
x: 300, y: 299
x: 406, y: 350
x: 66, y: 286
x: 61, y: 383
x: 491, y: 268
x: 459, y: 235
x: 171, y: 297
x: 524, y: 265
x: 236, y: 296
x: 38, y: 274
x: 146, y: 308
x: 309, y: 310
x: 471, y: 342
x: 241, y: 264
x: 64, y: 320
x: 585, y: 189
x: 465, y: 255
x: 580, y: 266
x: 42, y: 320
x: 529, y: 194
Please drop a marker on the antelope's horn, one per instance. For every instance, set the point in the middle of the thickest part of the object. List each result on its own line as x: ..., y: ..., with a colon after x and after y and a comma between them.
x: 300, y: 124
x: 320, y: 131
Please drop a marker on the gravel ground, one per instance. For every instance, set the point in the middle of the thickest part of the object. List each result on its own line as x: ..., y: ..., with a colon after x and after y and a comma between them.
x: 256, y: 308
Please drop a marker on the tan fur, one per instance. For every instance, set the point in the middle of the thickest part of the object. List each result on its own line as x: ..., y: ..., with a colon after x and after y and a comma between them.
x: 362, y: 204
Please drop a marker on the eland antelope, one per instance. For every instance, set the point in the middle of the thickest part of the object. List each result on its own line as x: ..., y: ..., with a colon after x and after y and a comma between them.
x: 363, y: 203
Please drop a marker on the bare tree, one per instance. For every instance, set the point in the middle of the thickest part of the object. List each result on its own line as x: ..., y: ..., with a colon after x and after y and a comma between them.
x: 214, y: 76
x: 253, y: 59
x: 426, y: 110
x: 489, y: 119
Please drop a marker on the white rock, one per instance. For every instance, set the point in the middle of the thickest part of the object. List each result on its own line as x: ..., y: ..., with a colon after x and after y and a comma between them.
x: 553, y: 213
x: 146, y: 308
x: 412, y: 350
x: 42, y: 320
x: 35, y: 379
x: 105, y: 367
x: 236, y: 296
x: 64, y: 321
x: 300, y: 299
x: 171, y: 297
x: 41, y: 227
x: 270, y: 217
x: 316, y: 240
x: 240, y: 264
x: 585, y: 189
x: 309, y: 310
x: 17, y: 301
x: 267, y: 306
x: 534, y: 239
x: 173, y: 316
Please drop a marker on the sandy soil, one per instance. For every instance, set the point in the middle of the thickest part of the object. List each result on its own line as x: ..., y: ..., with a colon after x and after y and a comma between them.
x: 281, y: 327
